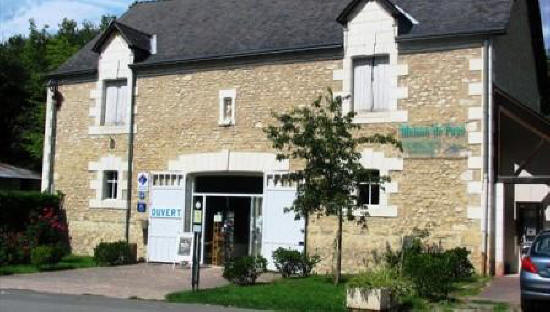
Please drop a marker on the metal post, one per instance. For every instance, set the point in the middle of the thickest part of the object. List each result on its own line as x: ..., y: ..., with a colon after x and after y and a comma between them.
x: 198, y: 203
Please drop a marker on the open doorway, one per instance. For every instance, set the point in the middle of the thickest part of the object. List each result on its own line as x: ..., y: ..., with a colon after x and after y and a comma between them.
x: 232, y: 218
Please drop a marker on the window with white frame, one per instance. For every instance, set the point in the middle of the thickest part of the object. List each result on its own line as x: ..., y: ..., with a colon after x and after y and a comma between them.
x: 371, y: 84
x: 110, y: 184
x: 227, y: 107
x: 368, y: 192
x: 115, y: 103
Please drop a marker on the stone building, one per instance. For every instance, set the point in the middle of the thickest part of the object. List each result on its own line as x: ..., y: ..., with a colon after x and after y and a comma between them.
x: 154, y: 128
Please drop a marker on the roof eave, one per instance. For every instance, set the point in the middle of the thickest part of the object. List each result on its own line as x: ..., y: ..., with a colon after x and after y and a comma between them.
x: 413, y: 37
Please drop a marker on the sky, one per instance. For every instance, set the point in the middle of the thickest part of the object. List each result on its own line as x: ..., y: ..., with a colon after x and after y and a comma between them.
x: 15, y: 14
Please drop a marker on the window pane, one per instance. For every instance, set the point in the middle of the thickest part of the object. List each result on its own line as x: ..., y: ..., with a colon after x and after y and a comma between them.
x: 362, y: 85
x: 110, y: 184
x: 375, y: 194
x: 227, y: 109
x: 363, y: 195
x: 381, y: 84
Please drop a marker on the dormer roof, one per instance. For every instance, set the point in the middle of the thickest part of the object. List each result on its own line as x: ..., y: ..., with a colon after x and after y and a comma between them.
x: 135, y: 39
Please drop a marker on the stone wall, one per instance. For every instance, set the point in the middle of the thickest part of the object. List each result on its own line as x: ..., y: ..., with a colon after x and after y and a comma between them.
x: 178, y: 114
x: 432, y: 192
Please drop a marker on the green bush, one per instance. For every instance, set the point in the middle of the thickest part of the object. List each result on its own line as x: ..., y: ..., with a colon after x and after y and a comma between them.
x: 114, y: 253
x: 432, y: 270
x: 244, y: 270
x: 41, y: 255
x: 292, y: 262
x: 385, y: 278
x: 430, y: 273
x: 460, y: 266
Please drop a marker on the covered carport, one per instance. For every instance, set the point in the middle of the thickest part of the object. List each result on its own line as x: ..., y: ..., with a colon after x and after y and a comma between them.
x: 522, y: 179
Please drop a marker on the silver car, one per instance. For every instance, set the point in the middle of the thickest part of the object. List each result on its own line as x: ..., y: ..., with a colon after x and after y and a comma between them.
x: 535, y: 275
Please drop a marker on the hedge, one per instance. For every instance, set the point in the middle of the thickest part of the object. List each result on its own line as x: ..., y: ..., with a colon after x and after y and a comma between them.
x: 17, y: 208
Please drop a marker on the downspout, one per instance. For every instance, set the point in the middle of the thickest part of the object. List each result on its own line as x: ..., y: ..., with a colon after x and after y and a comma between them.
x: 488, y: 207
x: 50, y: 134
x: 129, y: 177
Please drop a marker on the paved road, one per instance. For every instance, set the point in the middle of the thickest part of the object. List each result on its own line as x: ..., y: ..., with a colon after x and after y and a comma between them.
x: 28, y: 301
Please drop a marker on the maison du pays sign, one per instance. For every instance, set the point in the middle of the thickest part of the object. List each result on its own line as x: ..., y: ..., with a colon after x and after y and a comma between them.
x: 434, y: 141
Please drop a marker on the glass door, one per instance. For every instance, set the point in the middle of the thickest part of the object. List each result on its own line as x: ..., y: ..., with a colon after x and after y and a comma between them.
x: 255, y: 245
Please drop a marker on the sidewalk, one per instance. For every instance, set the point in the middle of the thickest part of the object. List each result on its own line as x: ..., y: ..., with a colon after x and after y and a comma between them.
x: 502, y: 289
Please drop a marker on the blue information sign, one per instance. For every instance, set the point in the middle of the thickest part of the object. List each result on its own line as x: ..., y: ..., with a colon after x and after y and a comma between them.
x: 141, y: 207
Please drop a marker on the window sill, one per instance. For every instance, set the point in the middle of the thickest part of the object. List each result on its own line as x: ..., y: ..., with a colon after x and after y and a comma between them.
x: 99, y: 130
x: 226, y: 123
x: 118, y: 204
x: 376, y: 211
x: 381, y: 117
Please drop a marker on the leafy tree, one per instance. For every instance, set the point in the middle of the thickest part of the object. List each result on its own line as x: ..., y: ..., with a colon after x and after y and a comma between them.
x: 24, y: 63
x: 322, y: 138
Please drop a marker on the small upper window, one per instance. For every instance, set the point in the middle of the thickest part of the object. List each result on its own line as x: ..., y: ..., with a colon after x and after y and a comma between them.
x: 110, y: 184
x: 369, y: 191
x: 371, y: 84
x: 115, y: 106
x: 227, y: 108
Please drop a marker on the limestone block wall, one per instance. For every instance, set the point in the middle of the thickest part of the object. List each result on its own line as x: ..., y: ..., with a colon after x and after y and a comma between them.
x: 442, y: 195
x: 75, y: 149
x: 178, y: 114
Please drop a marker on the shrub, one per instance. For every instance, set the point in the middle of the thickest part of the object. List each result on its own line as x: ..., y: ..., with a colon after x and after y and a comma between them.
x: 41, y: 255
x: 460, y: 266
x: 114, y: 253
x: 244, y: 270
x: 385, y: 278
x: 430, y: 273
x: 290, y: 262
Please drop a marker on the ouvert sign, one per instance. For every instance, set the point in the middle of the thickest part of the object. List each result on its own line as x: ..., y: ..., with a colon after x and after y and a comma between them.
x: 165, y: 212
x: 434, y: 141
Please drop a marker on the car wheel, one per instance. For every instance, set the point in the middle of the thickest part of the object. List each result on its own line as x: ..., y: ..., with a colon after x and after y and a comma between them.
x: 526, y: 305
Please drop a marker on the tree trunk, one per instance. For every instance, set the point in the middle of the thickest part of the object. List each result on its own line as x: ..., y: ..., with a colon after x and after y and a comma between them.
x: 338, y: 269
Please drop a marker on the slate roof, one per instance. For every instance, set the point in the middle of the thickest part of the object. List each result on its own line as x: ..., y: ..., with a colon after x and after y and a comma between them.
x: 199, y: 29
x: 13, y: 172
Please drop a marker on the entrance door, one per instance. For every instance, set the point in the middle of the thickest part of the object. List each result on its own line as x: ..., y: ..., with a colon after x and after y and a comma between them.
x: 166, y: 217
x: 280, y: 229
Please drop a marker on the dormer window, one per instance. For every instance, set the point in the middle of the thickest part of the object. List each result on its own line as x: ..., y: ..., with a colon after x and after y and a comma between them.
x: 115, y: 103
x: 227, y: 108
x: 371, y: 84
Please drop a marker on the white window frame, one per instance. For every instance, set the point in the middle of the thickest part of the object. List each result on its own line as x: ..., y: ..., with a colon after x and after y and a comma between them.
x: 112, y: 184
x: 370, y: 190
x: 223, y: 95
x: 98, y: 182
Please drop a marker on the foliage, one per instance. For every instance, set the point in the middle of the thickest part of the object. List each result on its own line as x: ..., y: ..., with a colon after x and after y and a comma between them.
x: 67, y: 263
x: 383, y: 277
x: 114, y: 253
x: 47, y: 254
x: 433, y: 270
x: 24, y: 63
x: 292, y: 262
x: 27, y: 220
x: 322, y: 137
x: 311, y: 294
x: 244, y: 270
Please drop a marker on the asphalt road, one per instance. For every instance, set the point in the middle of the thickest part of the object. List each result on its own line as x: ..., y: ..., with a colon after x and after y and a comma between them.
x: 29, y: 301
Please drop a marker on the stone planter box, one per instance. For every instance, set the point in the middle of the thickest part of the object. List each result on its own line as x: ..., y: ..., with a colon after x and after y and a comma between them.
x: 363, y: 299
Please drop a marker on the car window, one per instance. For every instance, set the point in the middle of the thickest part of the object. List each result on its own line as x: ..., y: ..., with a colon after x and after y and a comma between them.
x: 541, y: 247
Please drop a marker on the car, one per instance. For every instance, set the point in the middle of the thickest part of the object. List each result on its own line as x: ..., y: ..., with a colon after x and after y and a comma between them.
x: 535, y: 275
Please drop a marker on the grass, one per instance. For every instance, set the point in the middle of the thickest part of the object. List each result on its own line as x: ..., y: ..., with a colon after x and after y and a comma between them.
x: 67, y: 263
x: 315, y: 293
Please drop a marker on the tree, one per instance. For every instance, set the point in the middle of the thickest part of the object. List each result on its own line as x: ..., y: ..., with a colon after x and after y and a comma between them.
x: 322, y: 137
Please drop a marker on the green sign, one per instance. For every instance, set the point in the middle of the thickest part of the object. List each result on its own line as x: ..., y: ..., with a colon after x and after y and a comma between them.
x: 435, y: 141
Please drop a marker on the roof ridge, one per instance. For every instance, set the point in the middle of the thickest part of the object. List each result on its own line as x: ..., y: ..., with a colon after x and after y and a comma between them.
x: 138, y: 2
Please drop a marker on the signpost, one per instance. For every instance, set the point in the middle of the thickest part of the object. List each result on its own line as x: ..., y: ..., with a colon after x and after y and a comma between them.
x: 197, y: 233
x: 143, y: 190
